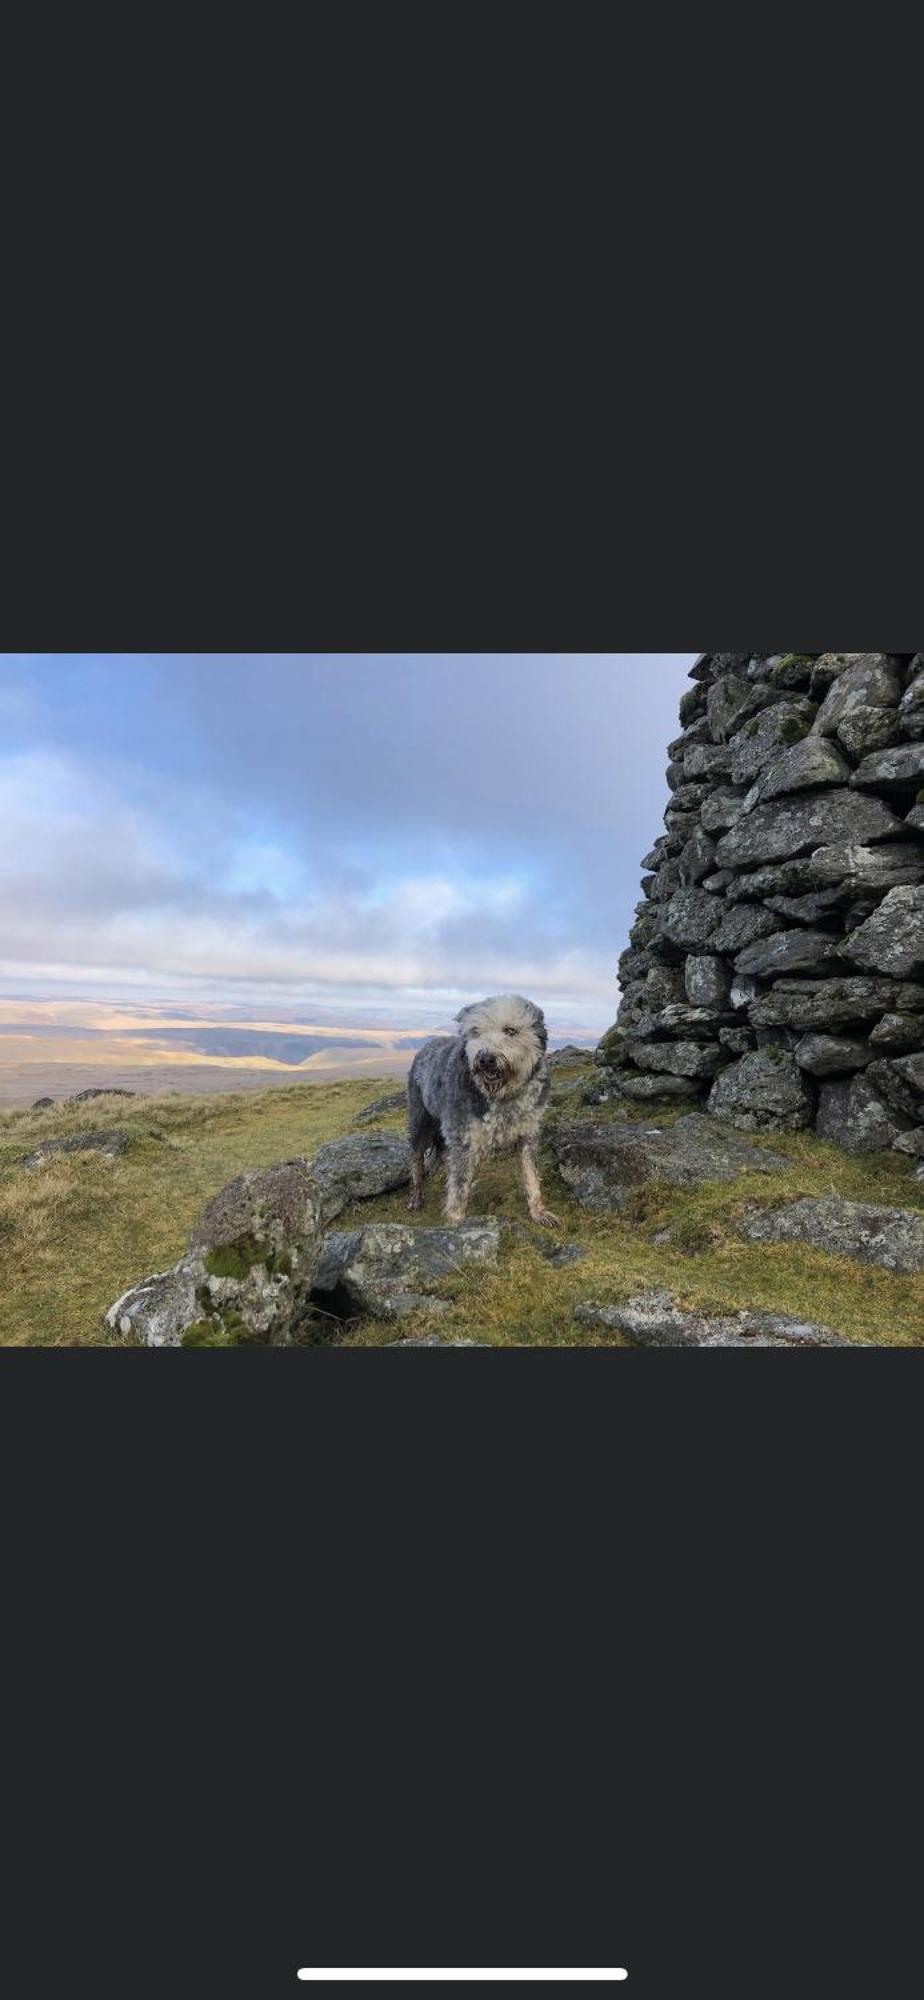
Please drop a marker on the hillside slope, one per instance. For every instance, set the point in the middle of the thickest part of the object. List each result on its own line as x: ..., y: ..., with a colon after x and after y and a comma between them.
x: 79, y: 1230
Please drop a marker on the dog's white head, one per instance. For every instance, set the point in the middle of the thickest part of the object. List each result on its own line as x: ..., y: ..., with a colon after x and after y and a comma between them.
x: 505, y: 1040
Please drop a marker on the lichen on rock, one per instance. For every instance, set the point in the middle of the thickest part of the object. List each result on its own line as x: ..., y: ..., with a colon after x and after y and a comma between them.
x: 787, y: 897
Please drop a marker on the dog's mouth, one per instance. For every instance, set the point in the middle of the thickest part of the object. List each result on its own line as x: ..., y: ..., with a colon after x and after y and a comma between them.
x: 492, y: 1074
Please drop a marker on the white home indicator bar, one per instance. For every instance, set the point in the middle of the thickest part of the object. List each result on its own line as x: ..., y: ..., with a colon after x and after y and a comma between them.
x: 618, y: 1972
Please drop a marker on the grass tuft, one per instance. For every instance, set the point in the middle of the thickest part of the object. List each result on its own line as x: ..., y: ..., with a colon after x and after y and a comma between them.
x: 78, y: 1233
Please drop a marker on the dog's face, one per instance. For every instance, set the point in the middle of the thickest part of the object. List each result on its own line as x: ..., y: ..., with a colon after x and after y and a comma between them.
x: 505, y: 1040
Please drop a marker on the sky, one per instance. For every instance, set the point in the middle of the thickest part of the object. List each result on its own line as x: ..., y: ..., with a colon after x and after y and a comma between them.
x: 361, y: 838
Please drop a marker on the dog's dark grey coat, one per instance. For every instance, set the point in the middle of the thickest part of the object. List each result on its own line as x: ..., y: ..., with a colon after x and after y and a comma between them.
x: 444, y: 1104
x: 479, y: 1092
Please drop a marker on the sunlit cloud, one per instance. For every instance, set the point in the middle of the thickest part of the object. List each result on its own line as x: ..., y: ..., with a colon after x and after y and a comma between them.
x: 329, y: 835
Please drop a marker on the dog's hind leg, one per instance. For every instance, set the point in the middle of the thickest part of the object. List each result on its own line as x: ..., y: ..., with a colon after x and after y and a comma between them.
x: 533, y: 1186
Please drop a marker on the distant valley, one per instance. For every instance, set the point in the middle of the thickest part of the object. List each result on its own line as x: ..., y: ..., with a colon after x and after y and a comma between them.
x: 52, y: 1048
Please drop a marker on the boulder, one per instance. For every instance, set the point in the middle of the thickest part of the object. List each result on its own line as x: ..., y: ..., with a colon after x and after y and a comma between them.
x: 160, y: 1309
x: 897, y: 770
x: 898, y: 1034
x: 732, y: 700
x: 654, y: 1319
x: 867, y: 681
x: 743, y: 925
x: 853, y: 866
x: 246, y: 1277
x: 689, y: 919
x: 605, y: 1165
x: 911, y: 1070
x: 785, y: 951
x: 686, y: 1059
x: 833, y: 1003
x: 360, y: 1167
x: 892, y: 939
x: 814, y: 762
x: 765, y: 735
x: 890, y: 1237
x: 812, y: 909
x: 655, y: 1089
x: 708, y: 982
x: 911, y: 709
x: 110, y: 1144
x: 867, y: 729
x: 831, y: 1055
x: 902, y: 1088
x: 722, y: 809
x: 271, y: 1209
x: 910, y: 1142
x: 765, y: 1091
x: 388, y: 1269
x: 698, y: 857
x: 853, y: 1115
x: 785, y: 826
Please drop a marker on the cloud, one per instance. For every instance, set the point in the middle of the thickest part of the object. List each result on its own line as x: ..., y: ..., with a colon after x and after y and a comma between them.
x: 392, y: 833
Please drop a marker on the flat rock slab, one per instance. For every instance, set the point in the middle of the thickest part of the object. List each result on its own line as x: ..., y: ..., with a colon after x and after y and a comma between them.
x: 382, y: 1108
x: 385, y: 1270
x: 433, y: 1340
x: 785, y: 826
x: 110, y: 1144
x: 604, y: 1165
x: 359, y: 1167
x: 890, y: 1237
x: 654, y: 1319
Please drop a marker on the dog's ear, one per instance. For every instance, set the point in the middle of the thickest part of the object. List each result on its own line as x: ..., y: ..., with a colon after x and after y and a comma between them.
x: 462, y: 1018
x: 537, y: 1023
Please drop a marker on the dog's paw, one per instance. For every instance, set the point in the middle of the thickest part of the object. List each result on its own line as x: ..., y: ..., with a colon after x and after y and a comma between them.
x: 544, y: 1218
x: 415, y: 1203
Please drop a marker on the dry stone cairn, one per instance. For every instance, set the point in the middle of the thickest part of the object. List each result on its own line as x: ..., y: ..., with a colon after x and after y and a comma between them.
x: 775, y: 970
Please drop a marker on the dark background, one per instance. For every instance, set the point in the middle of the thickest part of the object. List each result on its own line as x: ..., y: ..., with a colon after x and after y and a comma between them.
x: 320, y: 1658
x: 552, y: 1658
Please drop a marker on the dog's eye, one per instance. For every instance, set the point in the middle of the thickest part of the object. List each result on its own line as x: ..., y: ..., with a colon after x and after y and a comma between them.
x: 511, y: 1031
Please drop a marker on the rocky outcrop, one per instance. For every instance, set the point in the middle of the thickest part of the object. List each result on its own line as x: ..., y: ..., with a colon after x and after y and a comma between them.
x: 246, y: 1276
x: 779, y: 944
x: 389, y: 1269
x: 654, y: 1319
x: 382, y: 1108
x: 360, y: 1167
x: 110, y: 1144
x: 605, y: 1165
x: 260, y: 1271
x: 890, y: 1237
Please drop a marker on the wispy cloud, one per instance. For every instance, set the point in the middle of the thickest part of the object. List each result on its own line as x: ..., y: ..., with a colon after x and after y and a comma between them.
x: 389, y: 835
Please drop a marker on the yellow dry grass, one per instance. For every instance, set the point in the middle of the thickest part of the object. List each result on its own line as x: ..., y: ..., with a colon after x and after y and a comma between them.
x: 76, y: 1233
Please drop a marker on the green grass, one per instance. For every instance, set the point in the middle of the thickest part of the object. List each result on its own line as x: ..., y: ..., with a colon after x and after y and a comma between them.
x: 76, y: 1233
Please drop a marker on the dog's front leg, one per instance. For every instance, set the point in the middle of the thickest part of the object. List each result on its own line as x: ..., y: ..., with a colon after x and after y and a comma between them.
x: 531, y: 1182
x: 459, y: 1178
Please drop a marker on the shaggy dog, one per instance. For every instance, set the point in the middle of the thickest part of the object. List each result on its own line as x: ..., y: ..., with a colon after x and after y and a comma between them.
x: 479, y: 1091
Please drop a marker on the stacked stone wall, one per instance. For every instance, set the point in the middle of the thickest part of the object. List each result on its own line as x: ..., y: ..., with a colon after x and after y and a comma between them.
x: 776, y: 964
